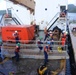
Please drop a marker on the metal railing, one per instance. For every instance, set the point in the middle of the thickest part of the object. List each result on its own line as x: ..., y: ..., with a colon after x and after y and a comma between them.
x: 33, y: 44
x: 15, y: 15
x: 57, y: 50
x: 57, y: 15
x: 53, y: 19
x: 2, y: 19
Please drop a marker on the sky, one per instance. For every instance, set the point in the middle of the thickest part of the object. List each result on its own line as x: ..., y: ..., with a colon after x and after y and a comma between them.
x: 2, y: 5
x: 72, y: 2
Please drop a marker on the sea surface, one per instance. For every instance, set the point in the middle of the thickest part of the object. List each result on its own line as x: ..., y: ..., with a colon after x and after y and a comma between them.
x: 72, y: 16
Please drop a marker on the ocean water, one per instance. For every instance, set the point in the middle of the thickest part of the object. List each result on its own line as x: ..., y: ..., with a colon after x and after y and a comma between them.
x: 72, y: 16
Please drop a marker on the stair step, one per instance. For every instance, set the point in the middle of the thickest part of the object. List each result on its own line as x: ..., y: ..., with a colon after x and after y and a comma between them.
x: 38, y: 55
x: 8, y: 19
x: 62, y: 18
x: 33, y: 52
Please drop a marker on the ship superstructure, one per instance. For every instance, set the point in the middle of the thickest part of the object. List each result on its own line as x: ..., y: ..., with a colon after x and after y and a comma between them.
x: 54, y: 15
x: 18, y: 12
x: 48, y: 11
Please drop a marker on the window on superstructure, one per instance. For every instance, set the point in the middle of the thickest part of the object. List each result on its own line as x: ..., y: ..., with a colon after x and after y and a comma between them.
x: 46, y: 9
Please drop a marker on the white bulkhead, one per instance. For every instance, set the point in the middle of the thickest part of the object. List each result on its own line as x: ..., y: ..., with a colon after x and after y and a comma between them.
x: 45, y: 10
x: 21, y: 13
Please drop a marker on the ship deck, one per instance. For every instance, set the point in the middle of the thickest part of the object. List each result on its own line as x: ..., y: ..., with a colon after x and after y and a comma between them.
x: 29, y: 65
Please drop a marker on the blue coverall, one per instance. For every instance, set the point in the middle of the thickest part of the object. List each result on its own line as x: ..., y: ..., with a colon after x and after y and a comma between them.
x: 46, y: 55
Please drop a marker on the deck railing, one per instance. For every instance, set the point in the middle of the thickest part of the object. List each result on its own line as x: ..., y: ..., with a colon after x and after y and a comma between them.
x: 31, y: 50
x: 34, y: 44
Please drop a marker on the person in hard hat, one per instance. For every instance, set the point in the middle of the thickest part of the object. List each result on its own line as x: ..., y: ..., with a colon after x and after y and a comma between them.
x: 17, y: 49
x: 46, y: 33
x: 49, y: 44
x: 18, y: 44
x: 42, y: 70
x: 16, y: 35
x: 45, y: 54
x: 51, y: 34
x: 63, y: 39
x: 46, y: 50
x: 39, y: 43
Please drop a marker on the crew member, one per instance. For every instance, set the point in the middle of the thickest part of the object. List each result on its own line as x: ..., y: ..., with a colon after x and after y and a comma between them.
x: 16, y: 35
x: 39, y: 43
x: 63, y: 39
x: 46, y: 34
x: 17, y: 49
x: 46, y: 54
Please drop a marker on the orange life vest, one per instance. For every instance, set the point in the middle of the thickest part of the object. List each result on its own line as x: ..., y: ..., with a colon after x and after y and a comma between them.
x: 63, y: 40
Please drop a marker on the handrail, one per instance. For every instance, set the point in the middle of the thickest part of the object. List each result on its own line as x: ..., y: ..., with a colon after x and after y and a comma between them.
x: 2, y: 18
x: 55, y: 45
x: 17, y: 18
x: 53, y: 18
x: 16, y: 21
x: 33, y: 41
x: 52, y: 24
x: 13, y: 45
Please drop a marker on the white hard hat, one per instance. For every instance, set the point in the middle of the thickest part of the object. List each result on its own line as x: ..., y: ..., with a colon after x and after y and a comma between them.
x: 66, y: 32
x: 50, y: 32
x: 15, y: 31
x: 63, y: 31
